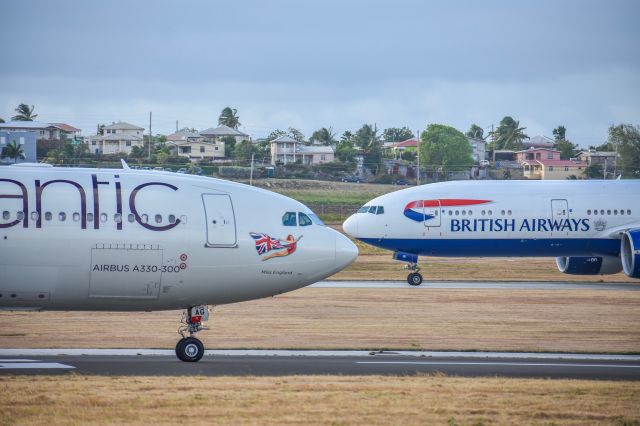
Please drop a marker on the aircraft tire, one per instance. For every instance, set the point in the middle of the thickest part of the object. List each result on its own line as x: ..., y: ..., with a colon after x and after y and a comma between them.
x: 178, y: 348
x: 189, y: 349
x: 414, y: 279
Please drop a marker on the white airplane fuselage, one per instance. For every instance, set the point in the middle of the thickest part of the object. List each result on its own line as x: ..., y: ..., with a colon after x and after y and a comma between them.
x: 508, y: 218
x: 98, y: 239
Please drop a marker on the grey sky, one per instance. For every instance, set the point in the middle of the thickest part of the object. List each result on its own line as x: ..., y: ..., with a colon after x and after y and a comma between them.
x: 331, y: 63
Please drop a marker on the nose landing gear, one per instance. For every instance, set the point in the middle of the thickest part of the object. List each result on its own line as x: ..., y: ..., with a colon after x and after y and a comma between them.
x: 415, y: 277
x: 191, y: 349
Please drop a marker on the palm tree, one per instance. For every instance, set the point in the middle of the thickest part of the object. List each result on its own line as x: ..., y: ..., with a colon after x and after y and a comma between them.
x: 368, y: 140
x: 475, y: 132
x: 229, y: 117
x: 24, y: 113
x: 324, y: 136
x: 509, y: 134
x: 13, y: 150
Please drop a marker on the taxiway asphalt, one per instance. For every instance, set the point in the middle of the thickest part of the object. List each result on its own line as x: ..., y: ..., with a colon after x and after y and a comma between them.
x: 138, y: 362
x: 481, y: 285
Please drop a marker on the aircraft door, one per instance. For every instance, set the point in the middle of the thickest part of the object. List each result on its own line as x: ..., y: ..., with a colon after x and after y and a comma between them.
x: 560, y: 209
x: 221, y: 223
x: 432, y: 213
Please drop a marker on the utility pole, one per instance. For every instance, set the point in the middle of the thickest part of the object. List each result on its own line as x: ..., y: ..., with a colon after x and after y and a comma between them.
x: 418, y: 157
x: 604, y: 172
x: 150, y: 136
x: 176, y: 126
x: 251, y: 174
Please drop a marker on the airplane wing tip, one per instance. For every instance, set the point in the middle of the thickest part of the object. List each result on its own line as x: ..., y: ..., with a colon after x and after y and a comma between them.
x: 124, y: 164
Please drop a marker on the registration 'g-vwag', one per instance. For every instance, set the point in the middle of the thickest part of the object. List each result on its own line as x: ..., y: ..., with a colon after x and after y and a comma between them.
x: 591, y: 227
x: 126, y: 240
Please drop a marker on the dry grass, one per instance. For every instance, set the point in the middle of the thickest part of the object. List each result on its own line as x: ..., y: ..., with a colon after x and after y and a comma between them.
x: 372, y: 265
x: 519, y: 320
x: 315, y: 400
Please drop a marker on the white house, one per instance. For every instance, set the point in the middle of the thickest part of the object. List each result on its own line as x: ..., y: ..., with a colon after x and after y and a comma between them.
x: 117, y: 138
x: 217, y: 133
x: 193, y: 145
x: 285, y: 150
x: 479, y: 148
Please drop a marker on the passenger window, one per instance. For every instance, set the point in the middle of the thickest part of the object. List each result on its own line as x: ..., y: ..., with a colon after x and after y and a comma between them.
x: 469, y: 212
x: 5, y: 215
x: 588, y: 212
x: 20, y: 215
x: 629, y: 212
x: 615, y: 212
x: 183, y: 219
x: 145, y: 218
x: 131, y: 218
x: 289, y: 219
x: 34, y: 215
x: 103, y: 217
x: 509, y: 212
x: 48, y: 216
x: 76, y: 217
x: 158, y: 218
x: 457, y: 212
x: 62, y: 216
x: 381, y: 210
x: 490, y: 212
x: 622, y: 212
x: 464, y: 212
x: 304, y: 220
x: 90, y: 217
x: 172, y: 218
x: 483, y: 212
x: 117, y: 218
x: 601, y: 212
x: 608, y: 212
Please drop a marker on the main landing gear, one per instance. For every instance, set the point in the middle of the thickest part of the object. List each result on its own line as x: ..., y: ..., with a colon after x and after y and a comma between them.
x: 191, y: 349
x: 414, y: 277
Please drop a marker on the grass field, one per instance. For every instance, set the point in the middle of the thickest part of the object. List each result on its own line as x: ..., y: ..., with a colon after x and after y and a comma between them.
x: 315, y: 400
x: 372, y: 319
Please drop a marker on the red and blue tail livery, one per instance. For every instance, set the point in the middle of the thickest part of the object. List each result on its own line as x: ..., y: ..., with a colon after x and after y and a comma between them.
x: 415, y: 210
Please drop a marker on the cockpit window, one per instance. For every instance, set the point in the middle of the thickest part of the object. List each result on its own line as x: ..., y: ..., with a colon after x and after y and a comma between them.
x: 372, y: 209
x: 316, y: 219
x: 304, y: 220
x: 363, y: 209
x: 380, y: 210
x: 289, y: 219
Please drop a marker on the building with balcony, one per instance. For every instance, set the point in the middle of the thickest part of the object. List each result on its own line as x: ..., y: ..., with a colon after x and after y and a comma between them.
x: 285, y: 150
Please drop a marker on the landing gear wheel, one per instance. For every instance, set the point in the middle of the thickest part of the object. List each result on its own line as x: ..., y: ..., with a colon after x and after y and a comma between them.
x: 189, y: 349
x: 414, y: 278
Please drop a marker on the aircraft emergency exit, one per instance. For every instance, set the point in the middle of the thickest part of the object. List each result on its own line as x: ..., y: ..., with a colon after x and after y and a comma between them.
x: 128, y: 240
x: 591, y: 227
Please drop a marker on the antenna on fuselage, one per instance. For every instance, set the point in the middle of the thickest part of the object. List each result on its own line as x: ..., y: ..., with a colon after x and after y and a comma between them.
x: 124, y: 164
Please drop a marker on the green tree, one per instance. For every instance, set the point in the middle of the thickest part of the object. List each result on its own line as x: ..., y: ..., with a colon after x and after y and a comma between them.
x: 559, y: 133
x: 446, y: 147
x: 137, y: 153
x: 295, y: 134
x: 275, y: 134
x: 345, y: 151
x: 244, y: 150
x: 13, y: 151
x: 347, y: 136
x: 324, y: 136
x: 475, y: 132
x: 229, y: 117
x: 397, y: 134
x: 24, y: 113
x: 509, y: 134
x: 367, y: 139
x: 593, y: 171
x: 567, y: 149
x: 229, y: 145
x: 101, y: 129
x: 625, y: 138
x: 1, y: 120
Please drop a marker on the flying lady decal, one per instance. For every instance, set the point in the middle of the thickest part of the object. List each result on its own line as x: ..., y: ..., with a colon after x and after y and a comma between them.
x: 280, y: 248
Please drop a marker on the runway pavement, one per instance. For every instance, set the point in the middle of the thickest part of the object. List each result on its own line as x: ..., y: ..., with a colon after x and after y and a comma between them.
x: 137, y: 362
x: 481, y: 285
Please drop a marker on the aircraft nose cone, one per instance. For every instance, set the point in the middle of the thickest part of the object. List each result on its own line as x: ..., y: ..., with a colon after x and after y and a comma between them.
x: 346, y: 252
x: 350, y: 226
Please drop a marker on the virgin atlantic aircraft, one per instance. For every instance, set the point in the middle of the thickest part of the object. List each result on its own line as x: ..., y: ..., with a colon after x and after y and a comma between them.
x: 590, y: 227
x: 128, y: 240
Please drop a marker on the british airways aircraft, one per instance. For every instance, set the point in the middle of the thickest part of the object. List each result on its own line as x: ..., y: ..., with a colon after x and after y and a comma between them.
x: 125, y: 240
x: 590, y: 227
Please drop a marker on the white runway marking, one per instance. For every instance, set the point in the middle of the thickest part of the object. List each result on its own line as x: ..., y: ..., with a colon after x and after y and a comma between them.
x: 32, y: 365
x: 480, y: 285
x: 506, y: 364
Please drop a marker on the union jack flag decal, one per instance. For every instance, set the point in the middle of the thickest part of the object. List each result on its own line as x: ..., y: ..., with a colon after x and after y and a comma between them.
x: 265, y: 243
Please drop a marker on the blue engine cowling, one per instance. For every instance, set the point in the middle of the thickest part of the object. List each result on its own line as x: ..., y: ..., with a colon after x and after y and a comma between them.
x: 594, y: 265
x: 630, y: 253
